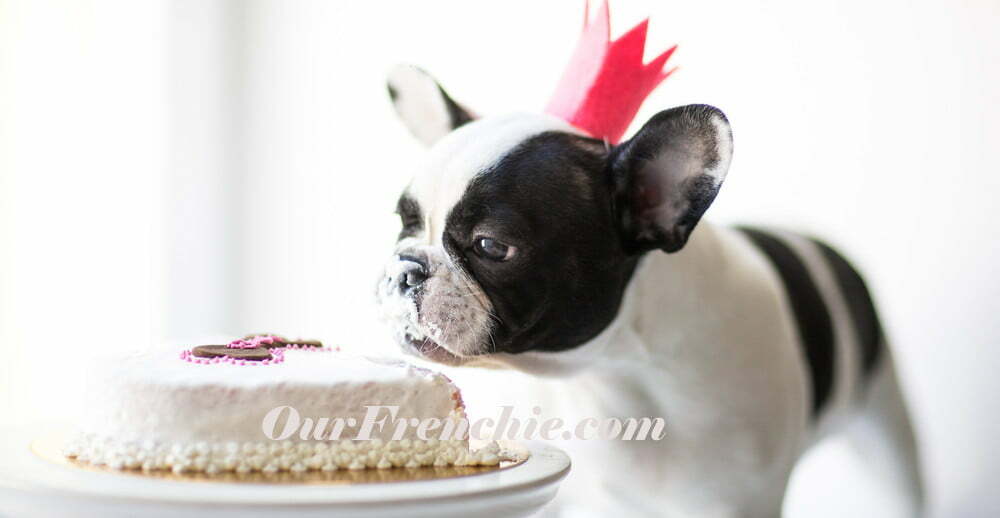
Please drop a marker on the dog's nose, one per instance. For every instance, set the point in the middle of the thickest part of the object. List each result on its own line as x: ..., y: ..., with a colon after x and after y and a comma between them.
x: 412, y: 274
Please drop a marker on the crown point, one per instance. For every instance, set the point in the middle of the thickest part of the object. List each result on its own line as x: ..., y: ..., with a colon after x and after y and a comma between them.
x: 606, y: 81
x: 659, y: 61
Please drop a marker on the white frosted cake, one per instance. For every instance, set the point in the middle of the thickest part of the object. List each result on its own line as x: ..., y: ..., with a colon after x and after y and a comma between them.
x: 208, y: 410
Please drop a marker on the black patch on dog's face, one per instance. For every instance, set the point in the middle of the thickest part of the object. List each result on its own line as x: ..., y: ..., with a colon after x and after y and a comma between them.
x: 550, y: 197
x: 410, y: 216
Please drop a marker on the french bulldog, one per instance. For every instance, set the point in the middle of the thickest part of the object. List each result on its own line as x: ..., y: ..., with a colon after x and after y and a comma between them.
x: 527, y: 245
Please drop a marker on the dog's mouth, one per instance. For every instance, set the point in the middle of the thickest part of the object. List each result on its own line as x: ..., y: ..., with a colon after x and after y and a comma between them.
x: 430, y: 350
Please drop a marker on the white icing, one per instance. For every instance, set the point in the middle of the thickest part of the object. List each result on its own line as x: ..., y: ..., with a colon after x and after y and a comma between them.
x: 395, y: 310
x: 155, y: 411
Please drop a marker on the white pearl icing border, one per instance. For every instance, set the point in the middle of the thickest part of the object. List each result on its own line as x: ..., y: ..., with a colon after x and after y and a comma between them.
x: 275, y: 456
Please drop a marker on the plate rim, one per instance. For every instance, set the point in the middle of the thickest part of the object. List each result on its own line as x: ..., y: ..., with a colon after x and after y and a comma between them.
x: 25, y: 473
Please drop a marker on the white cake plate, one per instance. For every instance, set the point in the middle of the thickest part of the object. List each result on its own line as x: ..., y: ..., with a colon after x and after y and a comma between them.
x: 36, y: 487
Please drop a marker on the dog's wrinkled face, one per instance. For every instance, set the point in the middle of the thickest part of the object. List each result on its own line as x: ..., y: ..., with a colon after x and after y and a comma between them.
x: 520, y: 234
x: 509, y: 230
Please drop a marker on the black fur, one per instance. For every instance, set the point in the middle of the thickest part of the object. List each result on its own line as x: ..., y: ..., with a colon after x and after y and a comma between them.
x: 456, y: 114
x: 811, y: 314
x: 660, y: 208
x: 410, y: 216
x: 864, y: 317
x: 548, y: 197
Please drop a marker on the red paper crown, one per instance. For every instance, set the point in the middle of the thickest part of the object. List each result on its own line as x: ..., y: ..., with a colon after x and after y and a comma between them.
x: 606, y: 81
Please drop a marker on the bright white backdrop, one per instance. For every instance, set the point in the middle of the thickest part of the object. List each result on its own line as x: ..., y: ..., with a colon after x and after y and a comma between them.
x: 170, y: 170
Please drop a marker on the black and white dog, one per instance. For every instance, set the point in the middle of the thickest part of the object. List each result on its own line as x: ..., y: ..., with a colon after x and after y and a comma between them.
x: 528, y: 245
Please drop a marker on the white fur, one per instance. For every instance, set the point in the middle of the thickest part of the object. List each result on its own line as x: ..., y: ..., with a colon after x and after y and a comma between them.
x: 882, y: 434
x: 419, y: 103
x: 724, y: 147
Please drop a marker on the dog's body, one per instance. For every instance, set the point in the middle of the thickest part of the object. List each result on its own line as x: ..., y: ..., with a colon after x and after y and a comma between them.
x: 530, y: 246
x: 717, y: 353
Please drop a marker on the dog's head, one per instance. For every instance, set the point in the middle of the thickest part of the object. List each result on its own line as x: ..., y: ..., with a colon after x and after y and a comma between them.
x: 519, y: 233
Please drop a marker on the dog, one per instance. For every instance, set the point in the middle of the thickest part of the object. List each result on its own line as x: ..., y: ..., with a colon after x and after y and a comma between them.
x: 527, y: 245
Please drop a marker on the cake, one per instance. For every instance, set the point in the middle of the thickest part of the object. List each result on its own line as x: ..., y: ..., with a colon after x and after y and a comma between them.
x: 207, y: 409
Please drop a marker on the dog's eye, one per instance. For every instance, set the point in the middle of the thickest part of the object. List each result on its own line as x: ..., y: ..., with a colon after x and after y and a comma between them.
x: 494, y: 250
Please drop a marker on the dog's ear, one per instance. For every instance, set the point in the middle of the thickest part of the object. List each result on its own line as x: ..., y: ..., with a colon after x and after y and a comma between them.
x: 425, y: 108
x: 667, y: 175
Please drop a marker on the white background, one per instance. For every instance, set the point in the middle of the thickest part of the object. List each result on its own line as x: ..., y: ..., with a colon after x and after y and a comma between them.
x: 173, y: 170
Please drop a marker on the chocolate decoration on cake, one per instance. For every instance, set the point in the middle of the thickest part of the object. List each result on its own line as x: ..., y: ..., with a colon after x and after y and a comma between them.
x: 257, y: 349
x: 214, y: 351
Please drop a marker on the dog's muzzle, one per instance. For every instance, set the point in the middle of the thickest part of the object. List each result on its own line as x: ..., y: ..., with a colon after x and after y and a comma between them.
x: 433, y: 311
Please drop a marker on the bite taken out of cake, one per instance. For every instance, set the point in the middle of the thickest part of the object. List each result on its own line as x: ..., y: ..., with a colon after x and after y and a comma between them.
x: 268, y: 404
